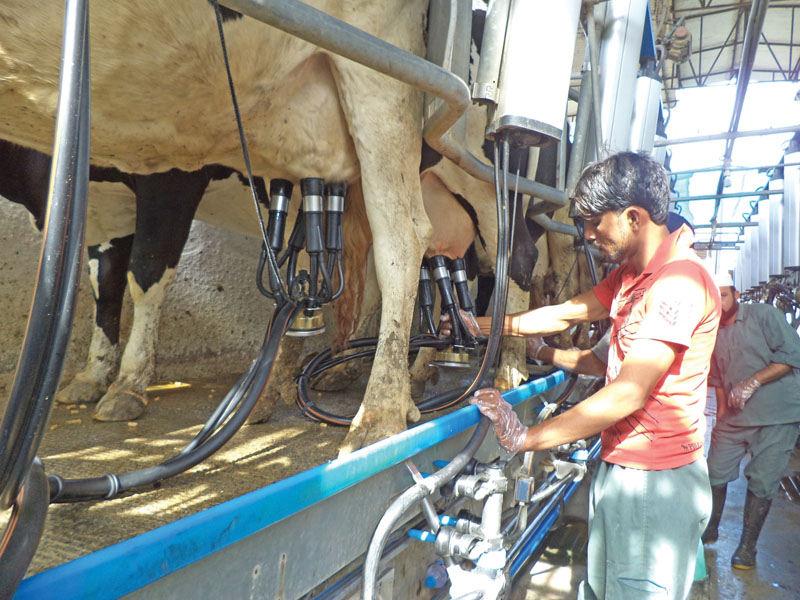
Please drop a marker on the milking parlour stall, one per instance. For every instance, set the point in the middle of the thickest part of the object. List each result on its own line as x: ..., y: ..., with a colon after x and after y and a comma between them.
x: 261, y: 239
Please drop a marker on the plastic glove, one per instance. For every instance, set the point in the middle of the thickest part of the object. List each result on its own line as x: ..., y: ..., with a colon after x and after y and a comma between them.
x: 509, y: 431
x: 742, y: 392
x: 534, y: 345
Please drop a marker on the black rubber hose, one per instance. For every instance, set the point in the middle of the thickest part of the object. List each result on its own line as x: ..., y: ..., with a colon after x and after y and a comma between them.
x: 323, y: 361
x: 24, y: 529
x: 50, y: 320
x: 249, y: 388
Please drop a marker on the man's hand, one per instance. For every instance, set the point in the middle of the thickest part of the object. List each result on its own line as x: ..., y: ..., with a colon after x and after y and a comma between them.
x: 473, y: 324
x: 509, y: 431
x: 533, y: 346
x: 742, y: 392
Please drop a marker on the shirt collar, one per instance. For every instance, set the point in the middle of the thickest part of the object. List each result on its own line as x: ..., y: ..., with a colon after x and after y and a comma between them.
x: 675, y: 245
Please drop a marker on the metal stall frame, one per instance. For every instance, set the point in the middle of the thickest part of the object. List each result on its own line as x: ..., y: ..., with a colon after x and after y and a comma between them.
x: 276, y: 541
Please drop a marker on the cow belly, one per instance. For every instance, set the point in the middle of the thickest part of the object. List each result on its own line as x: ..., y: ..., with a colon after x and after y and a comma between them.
x: 111, y: 212
x: 160, y: 97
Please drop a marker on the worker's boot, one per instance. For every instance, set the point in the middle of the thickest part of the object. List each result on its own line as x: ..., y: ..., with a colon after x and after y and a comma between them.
x: 718, y: 493
x: 755, y: 512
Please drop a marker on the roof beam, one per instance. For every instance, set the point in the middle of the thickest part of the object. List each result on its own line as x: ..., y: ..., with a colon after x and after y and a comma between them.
x: 752, y: 34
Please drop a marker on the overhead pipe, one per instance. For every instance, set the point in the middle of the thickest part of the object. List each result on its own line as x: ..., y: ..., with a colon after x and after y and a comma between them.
x: 721, y: 167
x: 728, y: 135
x: 752, y: 34
x: 725, y: 225
x: 334, y: 35
x: 722, y: 196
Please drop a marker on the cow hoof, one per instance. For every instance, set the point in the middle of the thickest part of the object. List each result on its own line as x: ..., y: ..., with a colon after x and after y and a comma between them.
x: 81, y: 392
x: 262, y: 411
x: 338, y: 378
x: 124, y: 406
x: 369, y: 431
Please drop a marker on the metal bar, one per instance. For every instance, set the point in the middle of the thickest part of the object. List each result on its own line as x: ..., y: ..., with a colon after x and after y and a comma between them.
x: 732, y: 44
x: 723, y: 8
x: 728, y: 134
x: 711, y: 169
x: 131, y: 565
x: 723, y: 196
x: 716, y: 58
x: 334, y: 35
x: 752, y: 33
x: 694, y: 74
x: 775, y: 58
x: 723, y: 225
x: 714, y: 246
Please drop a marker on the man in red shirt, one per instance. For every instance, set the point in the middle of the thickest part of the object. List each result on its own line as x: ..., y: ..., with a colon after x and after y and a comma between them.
x: 650, y: 496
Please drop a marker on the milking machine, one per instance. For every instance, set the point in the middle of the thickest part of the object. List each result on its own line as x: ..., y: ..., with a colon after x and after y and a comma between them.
x: 463, y: 342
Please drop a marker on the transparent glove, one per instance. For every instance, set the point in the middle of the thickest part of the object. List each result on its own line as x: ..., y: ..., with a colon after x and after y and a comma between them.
x: 510, y: 432
x: 742, y: 392
x: 534, y: 345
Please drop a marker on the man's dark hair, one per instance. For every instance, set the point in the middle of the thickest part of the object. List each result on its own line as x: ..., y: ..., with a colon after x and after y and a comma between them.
x: 623, y: 180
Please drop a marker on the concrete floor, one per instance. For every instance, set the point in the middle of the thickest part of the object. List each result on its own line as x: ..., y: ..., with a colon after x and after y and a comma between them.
x: 77, y: 446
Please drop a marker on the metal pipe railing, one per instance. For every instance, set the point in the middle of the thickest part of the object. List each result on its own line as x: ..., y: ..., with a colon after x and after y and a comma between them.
x: 725, y: 225
x: 721, y: 196
x: 724, y: 168
x: 727, y: 135
x: 334, y: 35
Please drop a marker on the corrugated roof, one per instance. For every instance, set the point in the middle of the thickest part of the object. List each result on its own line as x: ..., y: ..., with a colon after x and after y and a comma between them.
x: 717, y: 34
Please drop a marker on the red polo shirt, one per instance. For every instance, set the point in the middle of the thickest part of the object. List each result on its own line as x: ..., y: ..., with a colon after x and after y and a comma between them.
x: 673, y: 300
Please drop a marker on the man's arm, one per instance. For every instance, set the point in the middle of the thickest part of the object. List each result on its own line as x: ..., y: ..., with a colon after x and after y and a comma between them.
x: 744, y: 390
x: 645, y: 364
x: 545, y: 320
x: 584, y: 362
x: 643, y: 367
x: 771, y: 372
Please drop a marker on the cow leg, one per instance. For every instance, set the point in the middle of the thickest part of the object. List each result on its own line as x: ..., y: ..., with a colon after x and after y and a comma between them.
x: 389, y: 152
x: 513, y: 367
x: 107, y: 266
x: 342, y: 376
x: 421, y: 371
x: 165, y: 206
x: 281, y: 383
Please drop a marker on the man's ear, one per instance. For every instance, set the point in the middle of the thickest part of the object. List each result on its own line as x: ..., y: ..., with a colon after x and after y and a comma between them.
x: 634, y: 217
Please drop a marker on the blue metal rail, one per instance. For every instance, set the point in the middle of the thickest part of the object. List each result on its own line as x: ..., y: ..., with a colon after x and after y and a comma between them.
x: 130, y: 565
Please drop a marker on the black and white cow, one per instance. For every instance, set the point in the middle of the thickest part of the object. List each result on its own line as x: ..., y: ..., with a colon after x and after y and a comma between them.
x: 137, y: 226
x: 160, y: 101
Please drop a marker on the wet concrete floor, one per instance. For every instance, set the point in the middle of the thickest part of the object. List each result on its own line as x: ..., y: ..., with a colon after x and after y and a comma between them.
x: 562, y: 565
x: 77, y: 446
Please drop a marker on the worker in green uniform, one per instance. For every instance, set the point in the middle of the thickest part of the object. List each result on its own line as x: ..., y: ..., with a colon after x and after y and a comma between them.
x: 755, y: 368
